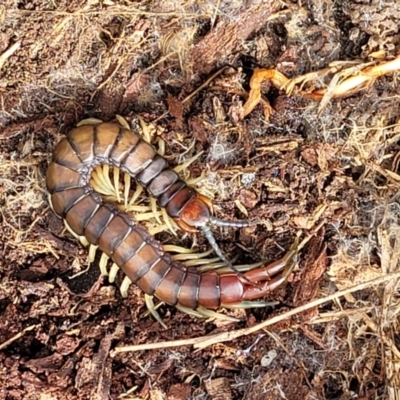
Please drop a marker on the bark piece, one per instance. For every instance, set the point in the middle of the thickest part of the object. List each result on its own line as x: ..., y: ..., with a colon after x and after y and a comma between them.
x: 228, y: 35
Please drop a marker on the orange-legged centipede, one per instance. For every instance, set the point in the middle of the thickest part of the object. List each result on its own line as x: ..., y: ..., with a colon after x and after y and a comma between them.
x: 128, y: 244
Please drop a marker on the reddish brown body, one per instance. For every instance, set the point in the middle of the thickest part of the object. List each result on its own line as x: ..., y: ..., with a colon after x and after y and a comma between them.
x: 128, y: 244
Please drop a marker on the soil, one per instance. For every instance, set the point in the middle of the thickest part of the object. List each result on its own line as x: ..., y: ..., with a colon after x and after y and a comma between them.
x: 328, y: 173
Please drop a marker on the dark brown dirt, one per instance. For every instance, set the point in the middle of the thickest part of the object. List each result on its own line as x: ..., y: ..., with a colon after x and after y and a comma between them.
x: 77, y: 59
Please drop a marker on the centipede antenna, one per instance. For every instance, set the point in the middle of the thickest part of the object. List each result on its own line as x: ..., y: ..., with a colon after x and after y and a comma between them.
x: 213, y: 243
x: 210, y: 237
x: 232, y: 224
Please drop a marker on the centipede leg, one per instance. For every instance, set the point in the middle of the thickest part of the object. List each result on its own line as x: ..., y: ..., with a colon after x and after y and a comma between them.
x: 113, y: 272
x: 184, y: 166
x: 153, y: 206
x: 122, y: 121
x: 150, y: 306
x: 190, y: 311
x: 89, y: 121
x: 82, y: 239
x: 250, y: 304
x: 125, y: 286
x: 207, y: 313
x: 92, y: 253
x: 103, y: 264
x: 202, y: 312
x: 127, y: 187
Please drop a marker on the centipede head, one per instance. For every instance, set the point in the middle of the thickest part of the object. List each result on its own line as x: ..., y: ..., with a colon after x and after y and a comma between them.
x: 195, y: 214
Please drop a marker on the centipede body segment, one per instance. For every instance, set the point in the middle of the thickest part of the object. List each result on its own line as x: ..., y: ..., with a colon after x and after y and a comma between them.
x: 128, y: 244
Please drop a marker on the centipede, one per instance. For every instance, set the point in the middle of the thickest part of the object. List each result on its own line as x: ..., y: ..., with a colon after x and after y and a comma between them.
x: 129, y: 245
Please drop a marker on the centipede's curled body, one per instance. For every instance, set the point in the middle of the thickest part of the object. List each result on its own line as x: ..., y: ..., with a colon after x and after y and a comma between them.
x: 127, y: 243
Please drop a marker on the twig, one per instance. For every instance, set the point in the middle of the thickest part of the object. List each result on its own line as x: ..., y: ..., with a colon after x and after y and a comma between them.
x: 205, y: 341
x: 151, y: 346
x: 8, y: 53
x: 203, y: 85
x: 17, y: 336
